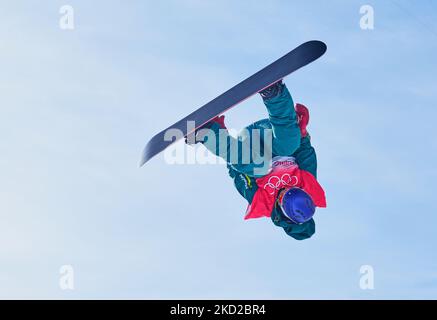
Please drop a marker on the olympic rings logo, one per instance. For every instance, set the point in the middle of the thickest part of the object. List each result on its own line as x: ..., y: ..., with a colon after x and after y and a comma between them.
x: 275, y: 183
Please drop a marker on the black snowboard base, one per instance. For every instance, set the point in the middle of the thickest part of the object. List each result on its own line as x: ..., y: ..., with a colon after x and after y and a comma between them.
x: 292, y: 61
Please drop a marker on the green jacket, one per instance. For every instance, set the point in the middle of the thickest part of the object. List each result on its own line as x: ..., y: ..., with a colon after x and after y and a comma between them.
x: 306, y: 159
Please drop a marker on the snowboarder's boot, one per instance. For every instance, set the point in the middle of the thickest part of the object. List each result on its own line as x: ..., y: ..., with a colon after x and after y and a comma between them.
x: 272, y: 91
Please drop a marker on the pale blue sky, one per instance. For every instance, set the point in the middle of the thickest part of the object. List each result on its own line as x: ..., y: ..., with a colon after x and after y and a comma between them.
x: 77, y: 107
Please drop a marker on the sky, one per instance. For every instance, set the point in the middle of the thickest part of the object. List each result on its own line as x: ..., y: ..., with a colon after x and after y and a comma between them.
x: 78, y: 106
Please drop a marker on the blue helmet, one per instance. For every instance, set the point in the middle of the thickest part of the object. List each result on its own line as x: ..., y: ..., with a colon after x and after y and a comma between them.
x: 296, y: 205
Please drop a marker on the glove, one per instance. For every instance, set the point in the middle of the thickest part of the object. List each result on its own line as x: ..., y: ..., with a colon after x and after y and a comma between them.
x: 303, y: 117
x: 220, y: 120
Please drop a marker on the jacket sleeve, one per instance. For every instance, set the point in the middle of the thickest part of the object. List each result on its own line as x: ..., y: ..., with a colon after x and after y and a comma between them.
x: 306, y: 157
x: 219, y: 142
x: 245, y: 185
x: 296, y: 231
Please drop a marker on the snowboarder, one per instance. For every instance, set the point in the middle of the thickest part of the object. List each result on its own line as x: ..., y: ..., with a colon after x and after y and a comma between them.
x: 287, y: 191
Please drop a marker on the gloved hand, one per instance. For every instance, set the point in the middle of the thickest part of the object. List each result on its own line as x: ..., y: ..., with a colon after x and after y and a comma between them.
x: 303, y: 117
x: 220, y: 120
x: 192, y: 137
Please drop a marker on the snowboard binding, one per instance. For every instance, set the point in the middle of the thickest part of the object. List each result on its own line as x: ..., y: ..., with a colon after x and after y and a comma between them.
x: 272, y: 91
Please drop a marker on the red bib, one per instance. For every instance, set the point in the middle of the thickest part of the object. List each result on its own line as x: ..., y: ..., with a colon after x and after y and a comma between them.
x: 284, y: 174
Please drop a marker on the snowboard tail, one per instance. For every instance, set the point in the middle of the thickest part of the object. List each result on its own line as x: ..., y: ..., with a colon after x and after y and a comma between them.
x: 292, y: 61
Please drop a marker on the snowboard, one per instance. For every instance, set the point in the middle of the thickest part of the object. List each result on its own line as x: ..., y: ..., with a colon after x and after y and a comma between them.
x: 292, y: 61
